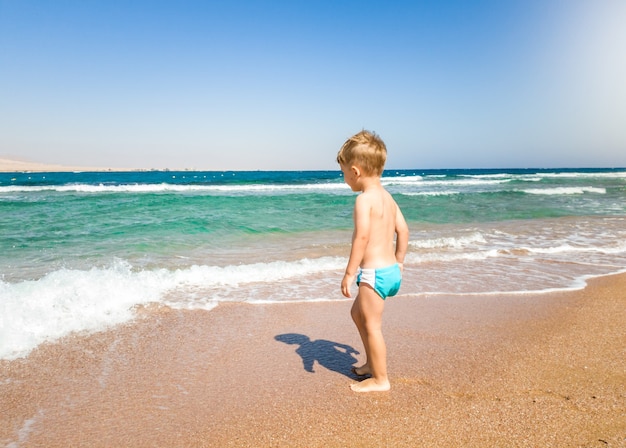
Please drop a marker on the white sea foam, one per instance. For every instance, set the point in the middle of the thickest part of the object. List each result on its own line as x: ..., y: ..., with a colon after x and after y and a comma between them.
x: 575, y: 284
x: 506, y: 177
x: 330, y: 187
x: 453, y: 257
x: 463, y: 180
x: 566, y: 175
x: 402, y: 179
x: 430, y: 193
x: 564, y: 190
x: 615, y: 249
x: 448, y: 242
x: 467, y: 182
x: 65, y: 301
x: 27, y: 428
x: 488, y: 176
x: 176, y: 188
x: 443, y: 180
x: 546, y: 175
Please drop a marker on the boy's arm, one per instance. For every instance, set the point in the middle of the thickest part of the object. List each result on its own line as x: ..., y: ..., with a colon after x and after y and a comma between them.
x: 402, y: 237
x: 360, y: 238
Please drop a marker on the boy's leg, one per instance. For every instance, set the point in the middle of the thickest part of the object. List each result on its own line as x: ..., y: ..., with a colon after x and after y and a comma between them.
x: 371, y: 308
x: 359, y: 321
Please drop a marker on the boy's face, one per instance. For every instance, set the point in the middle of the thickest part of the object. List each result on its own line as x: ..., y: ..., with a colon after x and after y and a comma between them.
x: 350, y: 176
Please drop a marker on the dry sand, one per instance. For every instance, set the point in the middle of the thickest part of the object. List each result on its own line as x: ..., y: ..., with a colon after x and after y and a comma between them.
x: 21, y: 166
x: 477, y: 371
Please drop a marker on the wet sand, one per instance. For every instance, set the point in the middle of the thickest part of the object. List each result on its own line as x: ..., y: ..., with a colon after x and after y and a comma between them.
x: 477, y: 371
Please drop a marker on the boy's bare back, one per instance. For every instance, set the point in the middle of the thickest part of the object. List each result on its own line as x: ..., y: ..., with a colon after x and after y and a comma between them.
x: 376, y: 215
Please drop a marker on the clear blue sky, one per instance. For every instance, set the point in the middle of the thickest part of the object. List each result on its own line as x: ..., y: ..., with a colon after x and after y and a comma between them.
x: 281, y: 84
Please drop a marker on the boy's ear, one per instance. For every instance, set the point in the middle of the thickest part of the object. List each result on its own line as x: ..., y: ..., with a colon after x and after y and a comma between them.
x: 356, y: 170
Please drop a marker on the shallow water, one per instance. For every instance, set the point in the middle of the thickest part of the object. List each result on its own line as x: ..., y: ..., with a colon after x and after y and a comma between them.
x: 80, y: 251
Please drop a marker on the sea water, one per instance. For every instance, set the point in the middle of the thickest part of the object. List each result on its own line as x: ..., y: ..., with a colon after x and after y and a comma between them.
x: 80, y: 252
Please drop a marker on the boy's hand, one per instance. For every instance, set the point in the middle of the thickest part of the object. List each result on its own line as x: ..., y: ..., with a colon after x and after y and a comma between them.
x: 346, y: 283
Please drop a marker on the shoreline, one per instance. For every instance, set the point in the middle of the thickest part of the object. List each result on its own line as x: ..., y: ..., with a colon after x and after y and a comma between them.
x: 474, y: 371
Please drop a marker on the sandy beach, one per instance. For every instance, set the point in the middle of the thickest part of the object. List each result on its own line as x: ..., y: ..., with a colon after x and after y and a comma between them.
x: 472, y: 371
x: 8, y: 165
x: 14, y: 166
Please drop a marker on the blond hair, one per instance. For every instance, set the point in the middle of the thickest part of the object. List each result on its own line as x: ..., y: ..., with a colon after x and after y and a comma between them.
x: 366, y: 150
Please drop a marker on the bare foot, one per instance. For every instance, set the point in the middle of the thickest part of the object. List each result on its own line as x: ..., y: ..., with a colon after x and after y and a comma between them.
x: 364, y: 370
x: 370, y: 385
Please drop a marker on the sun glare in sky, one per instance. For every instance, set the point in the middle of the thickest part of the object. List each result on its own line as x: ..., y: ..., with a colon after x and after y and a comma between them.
x: 280, y: 85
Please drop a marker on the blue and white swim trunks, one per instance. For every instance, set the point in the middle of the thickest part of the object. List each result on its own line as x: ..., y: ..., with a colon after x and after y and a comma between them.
x: 385, y: 281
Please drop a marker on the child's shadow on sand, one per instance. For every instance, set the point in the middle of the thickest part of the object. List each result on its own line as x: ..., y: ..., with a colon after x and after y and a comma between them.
x: 331, y: 355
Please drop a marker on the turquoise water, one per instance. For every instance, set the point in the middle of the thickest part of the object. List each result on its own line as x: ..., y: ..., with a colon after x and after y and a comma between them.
x: 80, y: 251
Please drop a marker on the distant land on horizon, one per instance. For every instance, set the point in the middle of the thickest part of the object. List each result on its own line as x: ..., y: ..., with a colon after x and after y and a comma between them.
x: 12, y: 165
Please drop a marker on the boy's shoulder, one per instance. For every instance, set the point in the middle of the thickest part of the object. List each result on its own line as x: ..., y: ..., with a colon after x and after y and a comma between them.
x: 376, y: 192
x: 373, y: 197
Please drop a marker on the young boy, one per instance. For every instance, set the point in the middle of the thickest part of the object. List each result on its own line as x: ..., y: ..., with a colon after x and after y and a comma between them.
x: 377, y: 219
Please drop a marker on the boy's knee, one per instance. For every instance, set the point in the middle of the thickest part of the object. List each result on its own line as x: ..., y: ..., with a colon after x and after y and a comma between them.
x: 372, y: 326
